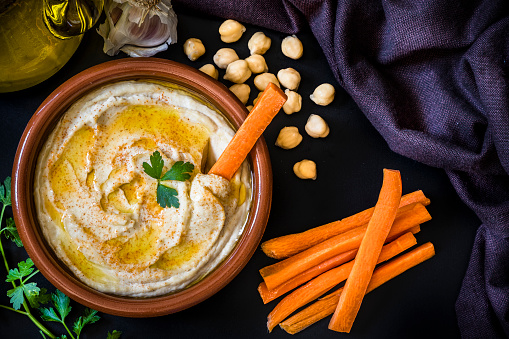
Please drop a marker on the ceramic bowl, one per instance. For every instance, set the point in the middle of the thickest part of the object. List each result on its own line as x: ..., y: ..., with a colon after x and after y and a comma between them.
x: 43, y: 122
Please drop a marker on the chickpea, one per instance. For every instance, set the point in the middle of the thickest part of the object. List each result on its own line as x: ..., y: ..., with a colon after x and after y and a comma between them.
x: 257, y: 98
x: 259, y: 43
x: 293, y: 103
x: 241, y: 91
x: 224, y: 57
x: 292, y: 47
x: 289, y: 78
x: 210, y: 70
x: 231, y: 31
x: 257, y: 63
x: 289, y: 137
x: 194, y: 48
x: 305, y: 169
x: 237, y: 72
x: 316, y: 127
x: 262, y: 80
x: 249, y: 108
x: 323, y: 94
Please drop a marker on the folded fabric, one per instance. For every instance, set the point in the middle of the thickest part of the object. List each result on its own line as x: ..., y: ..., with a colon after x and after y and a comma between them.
x: 433, y: 78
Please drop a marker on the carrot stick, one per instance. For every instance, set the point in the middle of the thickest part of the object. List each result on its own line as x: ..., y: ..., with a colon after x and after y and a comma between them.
x: 326, y: 305
x: 269, y: 295
x: 288, y: 245
x: 369, y: 250
x: 278, y: 273
x: 243, y: 141
x: 328, y: 280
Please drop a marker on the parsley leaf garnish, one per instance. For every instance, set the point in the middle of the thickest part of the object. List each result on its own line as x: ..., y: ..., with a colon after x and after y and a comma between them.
x: 157, y: 162
x: 181, y: 171
x: 167, y: 196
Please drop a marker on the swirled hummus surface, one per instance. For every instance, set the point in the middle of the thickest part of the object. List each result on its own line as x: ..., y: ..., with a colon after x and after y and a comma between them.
x: 98, y: 209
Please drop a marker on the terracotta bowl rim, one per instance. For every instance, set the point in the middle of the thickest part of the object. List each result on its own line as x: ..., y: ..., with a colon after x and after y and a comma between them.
x: 42, y: 123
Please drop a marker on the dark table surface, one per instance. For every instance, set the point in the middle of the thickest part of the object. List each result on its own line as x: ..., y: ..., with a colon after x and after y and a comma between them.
x: 417, y: 304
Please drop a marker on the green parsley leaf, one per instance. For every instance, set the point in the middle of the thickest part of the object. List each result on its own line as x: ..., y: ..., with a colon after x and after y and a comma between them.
x: 11, y: 232
x: 19, y: 293
x: 61, y: 302
x: 89, y: 317
x: 157, y: 162
x: 31, y: 293
x: 114, y: 335
x: 167, y: 196
x: 49, y: 314
x: 24, y: 269
x: 179, y: 171
x: 5, y: 192
x: 41, y: 298
x: 17, y: 298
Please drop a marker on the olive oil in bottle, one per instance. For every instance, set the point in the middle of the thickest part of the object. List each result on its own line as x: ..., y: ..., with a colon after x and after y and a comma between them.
x: 38, y: 37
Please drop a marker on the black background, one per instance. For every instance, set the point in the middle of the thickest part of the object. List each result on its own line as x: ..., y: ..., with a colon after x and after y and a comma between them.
x: 418, y: 304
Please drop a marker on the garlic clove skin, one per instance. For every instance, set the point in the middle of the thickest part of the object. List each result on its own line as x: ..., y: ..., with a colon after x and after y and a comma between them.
x: 138, y: 28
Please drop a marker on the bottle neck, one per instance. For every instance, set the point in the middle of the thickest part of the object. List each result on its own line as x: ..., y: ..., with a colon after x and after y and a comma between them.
x: 69, y: 18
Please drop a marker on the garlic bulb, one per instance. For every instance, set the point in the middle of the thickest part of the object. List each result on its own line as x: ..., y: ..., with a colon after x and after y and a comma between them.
x: 138, y: 27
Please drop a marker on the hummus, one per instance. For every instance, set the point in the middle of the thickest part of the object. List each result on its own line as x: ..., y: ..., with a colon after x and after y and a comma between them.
x: 97, y: 207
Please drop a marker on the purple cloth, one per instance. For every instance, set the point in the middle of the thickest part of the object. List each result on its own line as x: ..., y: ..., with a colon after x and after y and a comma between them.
x: 433, y: 78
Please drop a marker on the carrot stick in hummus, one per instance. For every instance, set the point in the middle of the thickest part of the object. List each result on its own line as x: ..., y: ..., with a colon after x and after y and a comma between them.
x: 243, y: 141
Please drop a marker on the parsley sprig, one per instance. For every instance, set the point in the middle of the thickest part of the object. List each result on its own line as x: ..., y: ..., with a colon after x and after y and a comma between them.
x: 181, y: 171
x: 25, y: 296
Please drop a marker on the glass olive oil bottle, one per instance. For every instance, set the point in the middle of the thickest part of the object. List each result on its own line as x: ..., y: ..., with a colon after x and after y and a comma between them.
x: 37, y: 37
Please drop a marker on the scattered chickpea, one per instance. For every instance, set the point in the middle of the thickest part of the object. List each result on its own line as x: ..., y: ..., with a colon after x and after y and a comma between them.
x: 293, y: 103
x: 210, y: 70
x: 316, y: 127
x: 323, y: 94
x: 289, y: 78
x: 289, y: 137
x: 194, y: 48
x: 231, y: 31
x: 241, y: 91
x: 224, y: 57
x: 257, y: 63
x: 292, y: 47
x: 259, y: 43
x: 249, y: 108
x: 305, y: 169
x: 262, y: 80
x: 257, y: 98
x: 237, y: 72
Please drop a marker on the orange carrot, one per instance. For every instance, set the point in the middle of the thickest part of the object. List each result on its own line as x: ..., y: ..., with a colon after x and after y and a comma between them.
x: 288, y: 245
x: 328, y: 280
x: 278, y: 273
x: 369, y: 250
x: 269, y: 295
x: 326, y: 305
x: 243, y: 141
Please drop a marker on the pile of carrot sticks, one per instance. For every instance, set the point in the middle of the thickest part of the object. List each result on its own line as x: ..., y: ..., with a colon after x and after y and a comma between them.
x: 314, y: 262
